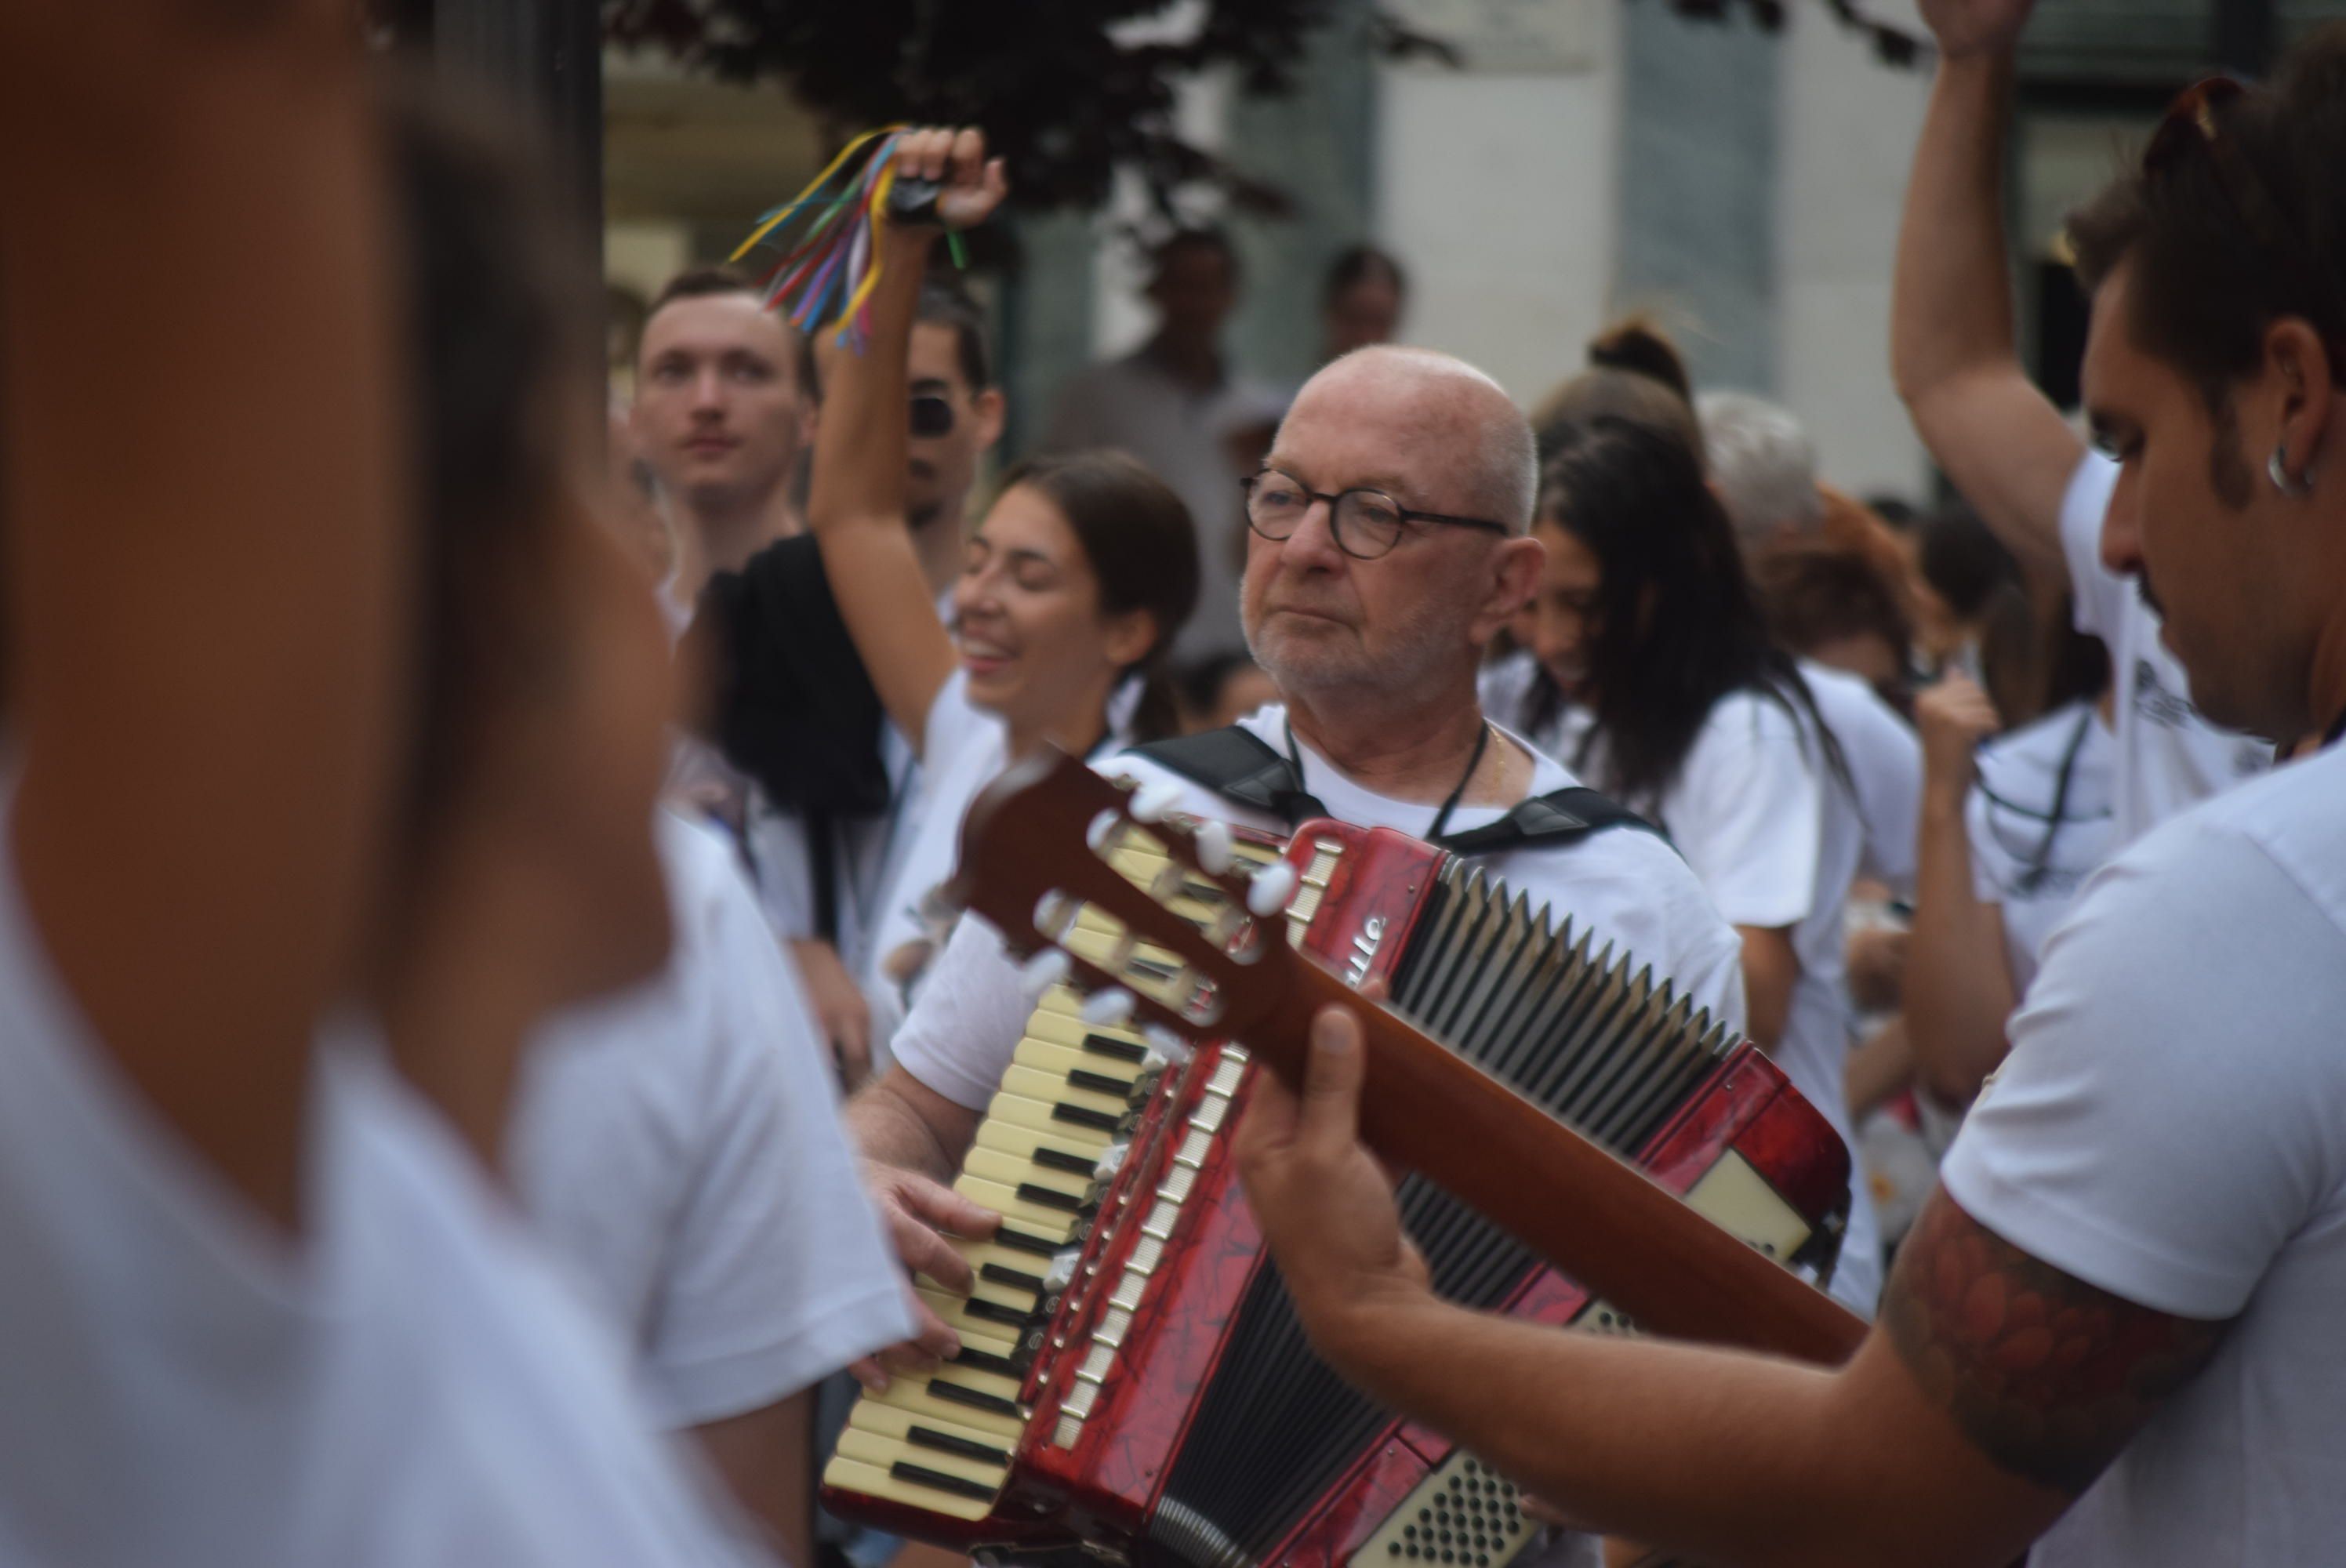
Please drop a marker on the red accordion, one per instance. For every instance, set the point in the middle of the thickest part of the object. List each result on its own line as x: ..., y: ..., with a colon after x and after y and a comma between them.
x: 1134, y: 1383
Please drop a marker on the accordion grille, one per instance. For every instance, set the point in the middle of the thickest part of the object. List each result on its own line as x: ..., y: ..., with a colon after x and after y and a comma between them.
x: 1576, y: 1030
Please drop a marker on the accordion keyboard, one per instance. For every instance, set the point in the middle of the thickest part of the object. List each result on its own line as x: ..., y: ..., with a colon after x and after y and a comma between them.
x: 1050, y: 1141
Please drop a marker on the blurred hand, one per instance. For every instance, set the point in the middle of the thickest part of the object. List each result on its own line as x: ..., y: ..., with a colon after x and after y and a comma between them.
x: 1325, y: 1204
x: 840, y: 1009
x: 1954, y: 717
x: 918, y: 1214
x: 973, y: 184
x: 1976, y: 26
x: 1877, y: 967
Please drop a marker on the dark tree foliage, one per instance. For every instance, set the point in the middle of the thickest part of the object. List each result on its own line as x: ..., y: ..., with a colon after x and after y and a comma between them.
x: 1064, y: 103
x: 1892, y: 45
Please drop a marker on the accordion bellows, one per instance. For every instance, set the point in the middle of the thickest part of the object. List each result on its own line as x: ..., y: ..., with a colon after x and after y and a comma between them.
x: 1135, y: 1383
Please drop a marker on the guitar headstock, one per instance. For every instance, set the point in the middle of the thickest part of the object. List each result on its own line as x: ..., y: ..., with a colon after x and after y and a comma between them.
x: 1097, y: 883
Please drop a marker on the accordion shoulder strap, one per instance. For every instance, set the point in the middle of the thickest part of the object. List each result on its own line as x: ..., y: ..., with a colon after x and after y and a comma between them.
x: 1241, y: 766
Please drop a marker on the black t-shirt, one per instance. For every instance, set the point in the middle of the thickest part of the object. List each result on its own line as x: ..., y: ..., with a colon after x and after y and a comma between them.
x: 794, y: 708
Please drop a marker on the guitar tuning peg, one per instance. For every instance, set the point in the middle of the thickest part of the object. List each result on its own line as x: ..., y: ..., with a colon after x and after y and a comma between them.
x: 1108, y: 1008
x: 1153, y: 800
x: 1213, y: 842
x: 1042, y: 972
x: 1272, y: 889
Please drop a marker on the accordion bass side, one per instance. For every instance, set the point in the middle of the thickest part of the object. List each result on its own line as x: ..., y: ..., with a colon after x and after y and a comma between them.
x: 1135, y: 1383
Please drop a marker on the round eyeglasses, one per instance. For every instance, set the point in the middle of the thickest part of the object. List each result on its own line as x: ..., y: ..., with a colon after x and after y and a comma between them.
x: 1365, y: 523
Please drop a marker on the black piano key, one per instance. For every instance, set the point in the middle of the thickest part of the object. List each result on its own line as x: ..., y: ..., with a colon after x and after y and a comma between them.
x: 938, y: 1481
x: 1028, y: 1242
x: 1050, y: 1198
x: 953, y: 1393
x: 987, y: 1362
x: 1085, y: 1117
x: 1097, y: 1083
x: 979, y: 1306
x: 1120, y: 1050
x: 961, y: 1447
x: 1003, y: 1276
x: 1061, y: 1160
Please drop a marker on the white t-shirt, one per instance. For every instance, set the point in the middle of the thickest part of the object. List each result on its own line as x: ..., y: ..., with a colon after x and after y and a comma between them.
x: 1624, y: 883
x: 409, y: 1384
x: 1883, y: 755
x: 2168, y: 756
x: 1885, y: 769
x: 1776, y: 839
x: 679, y: 1147
x: 2167, y: 1128
x: 2034, y: 878
x: 964, y: 749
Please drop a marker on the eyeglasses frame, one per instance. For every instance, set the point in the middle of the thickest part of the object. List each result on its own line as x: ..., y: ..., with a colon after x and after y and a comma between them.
x: 1407, y: 515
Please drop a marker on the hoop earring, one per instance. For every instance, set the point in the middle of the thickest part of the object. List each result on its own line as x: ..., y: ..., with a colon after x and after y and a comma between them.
x: 2277, y: 471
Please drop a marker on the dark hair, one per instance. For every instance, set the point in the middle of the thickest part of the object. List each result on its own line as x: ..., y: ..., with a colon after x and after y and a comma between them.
x: 1964, y: 564
x: 1355, y: 265
x: 497, y: 303
x: 2227, y: 231
x: 1676, y: 626
x: 1634, y: 374
x: 1896, y: 510
x: 706, y: 282
x: 1143, y: 550
x: 1199, y: 236
x: 945, y: 303
x: 1199, y: 684
x: 1814, y: 593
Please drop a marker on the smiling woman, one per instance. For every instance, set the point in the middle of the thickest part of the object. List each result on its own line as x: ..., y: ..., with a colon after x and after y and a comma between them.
x: 1071, y: 590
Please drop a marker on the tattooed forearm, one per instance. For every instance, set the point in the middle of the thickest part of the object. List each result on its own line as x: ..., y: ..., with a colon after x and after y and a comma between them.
x: 2048, y: 1375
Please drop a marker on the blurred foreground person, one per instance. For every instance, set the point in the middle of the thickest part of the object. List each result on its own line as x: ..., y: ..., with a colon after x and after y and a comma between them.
x: 263, y: 1308
x: 670, y: 1130
x: 2112, y: 1332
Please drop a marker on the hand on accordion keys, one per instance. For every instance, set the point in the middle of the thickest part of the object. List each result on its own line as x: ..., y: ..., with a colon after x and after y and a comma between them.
x: 1324, y: 1201
x: 917, y: 1211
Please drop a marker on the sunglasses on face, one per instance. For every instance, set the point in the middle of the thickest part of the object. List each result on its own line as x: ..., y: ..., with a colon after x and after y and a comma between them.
x: 931, y: 416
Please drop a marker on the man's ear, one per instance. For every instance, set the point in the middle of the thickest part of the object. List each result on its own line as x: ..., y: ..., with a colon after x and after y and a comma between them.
x: 2295, y: 355
x: 989, y: 408
x: 1513, y: 578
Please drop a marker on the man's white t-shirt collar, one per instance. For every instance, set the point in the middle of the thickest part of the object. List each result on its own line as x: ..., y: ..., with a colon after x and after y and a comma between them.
x: 1347, y: 801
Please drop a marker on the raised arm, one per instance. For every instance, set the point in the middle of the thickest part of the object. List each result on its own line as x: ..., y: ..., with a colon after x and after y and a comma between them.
x: 1958, y: 993
x: 204, y: 562
x: 856, y: 506
x: 1952, y: 348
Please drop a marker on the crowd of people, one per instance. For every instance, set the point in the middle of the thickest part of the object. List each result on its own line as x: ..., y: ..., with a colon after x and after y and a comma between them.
x: 485, y: 1040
